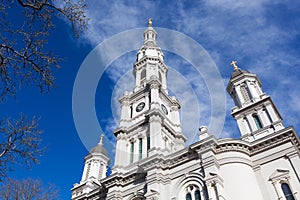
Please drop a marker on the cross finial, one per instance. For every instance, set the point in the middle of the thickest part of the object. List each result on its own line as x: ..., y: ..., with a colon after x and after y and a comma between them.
x: 233, y: 63
x: 150, y: 22
x: 101, y: 139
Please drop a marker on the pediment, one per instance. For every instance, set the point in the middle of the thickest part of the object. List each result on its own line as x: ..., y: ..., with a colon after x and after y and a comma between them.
x: 279, y: 174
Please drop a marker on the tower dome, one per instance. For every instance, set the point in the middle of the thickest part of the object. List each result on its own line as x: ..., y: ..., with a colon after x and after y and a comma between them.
x: 99, y: 148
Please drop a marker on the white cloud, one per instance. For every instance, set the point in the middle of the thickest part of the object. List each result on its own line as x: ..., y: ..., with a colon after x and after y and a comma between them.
x: 249, y: 31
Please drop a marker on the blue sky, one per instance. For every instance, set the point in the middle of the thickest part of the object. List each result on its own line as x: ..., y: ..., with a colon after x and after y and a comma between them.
x: 262, y: 35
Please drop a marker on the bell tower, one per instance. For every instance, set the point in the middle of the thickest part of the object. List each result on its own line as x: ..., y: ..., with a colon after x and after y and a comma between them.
x: 150, y: 119
x: 154, y: 65
x: 254, y: 110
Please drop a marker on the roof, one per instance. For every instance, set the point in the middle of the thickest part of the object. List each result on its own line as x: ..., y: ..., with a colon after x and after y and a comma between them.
x: 99, y: 148
x: 238, y: 72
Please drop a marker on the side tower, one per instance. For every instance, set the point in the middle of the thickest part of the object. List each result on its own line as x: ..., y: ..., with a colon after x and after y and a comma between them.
x: 254, y: 111
x: 150, y: 121
x: 95, y: 167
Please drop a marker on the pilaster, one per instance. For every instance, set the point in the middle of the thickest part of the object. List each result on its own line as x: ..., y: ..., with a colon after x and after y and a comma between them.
x: 156, y: 141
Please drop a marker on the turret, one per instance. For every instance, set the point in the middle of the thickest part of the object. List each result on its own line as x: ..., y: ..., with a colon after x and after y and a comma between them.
x: 96, y: 163
x: 95, y: 167
x: 254, y: 111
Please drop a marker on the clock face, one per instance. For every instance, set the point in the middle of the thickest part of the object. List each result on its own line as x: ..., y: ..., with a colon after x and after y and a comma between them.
x: 164, y: 109
x: 140, y: 107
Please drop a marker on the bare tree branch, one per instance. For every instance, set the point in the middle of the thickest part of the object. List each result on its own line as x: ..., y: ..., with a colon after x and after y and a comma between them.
x: 24, y: 58
x: 20, y: 142
x: 27, y: 189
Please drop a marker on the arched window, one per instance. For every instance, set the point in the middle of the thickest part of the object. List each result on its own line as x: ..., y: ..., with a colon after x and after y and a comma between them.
x: 197, y: 195
x: 287, y: 191
x: 192, y: 192
x: 257, y: 121
x: 188, y: 196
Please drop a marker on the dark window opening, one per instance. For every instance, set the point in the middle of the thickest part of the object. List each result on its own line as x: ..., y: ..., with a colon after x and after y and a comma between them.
x: 257, y: 122
x: 197, y: 195
x: 188, y: 196
x: 140, y: 148
x: 131, y: 152
x: 287, y: 191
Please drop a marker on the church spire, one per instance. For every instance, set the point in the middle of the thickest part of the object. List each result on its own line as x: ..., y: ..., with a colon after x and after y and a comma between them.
x: 150, y: 35
x: 150, y: 61
x: 150, y: 118
x: 254, y: 111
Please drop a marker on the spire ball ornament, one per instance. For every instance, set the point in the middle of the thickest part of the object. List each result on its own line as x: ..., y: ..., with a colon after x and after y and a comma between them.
x: 150, y: 22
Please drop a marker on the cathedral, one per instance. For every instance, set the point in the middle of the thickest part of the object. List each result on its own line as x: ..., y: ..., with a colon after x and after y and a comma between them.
x: 152, y: 162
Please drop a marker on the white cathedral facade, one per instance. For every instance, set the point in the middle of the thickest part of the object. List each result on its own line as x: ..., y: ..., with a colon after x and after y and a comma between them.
x: 152, y: 162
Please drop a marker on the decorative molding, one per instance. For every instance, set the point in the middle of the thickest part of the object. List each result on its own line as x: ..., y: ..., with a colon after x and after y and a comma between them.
x: 280, y: 175
x: 154, y: 84
x: 234, y: 145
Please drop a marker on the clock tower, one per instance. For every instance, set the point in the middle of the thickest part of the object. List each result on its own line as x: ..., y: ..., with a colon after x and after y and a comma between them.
x: 150, y: 119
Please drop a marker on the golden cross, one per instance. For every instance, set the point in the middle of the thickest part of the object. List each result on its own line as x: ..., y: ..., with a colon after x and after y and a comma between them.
x: 235, y: 67
x: 150, y: 22
x: 101, y: 139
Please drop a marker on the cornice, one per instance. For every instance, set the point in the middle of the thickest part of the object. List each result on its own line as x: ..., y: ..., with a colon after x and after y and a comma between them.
x: 275, y: 139
x: 147, y: 59
x: 135, y: 96
x: 122, y: 179
x: 234, y: 80
x: 96, y: 192
x: 253, y: 106
x: 126, y: 130
x: 260, y: 145
x: 194, y: 152
x: 233, y: 145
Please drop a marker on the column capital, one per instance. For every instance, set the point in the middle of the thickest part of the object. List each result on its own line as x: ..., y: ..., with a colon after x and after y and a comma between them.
x: 154, y: 85
x: 155, y: 118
